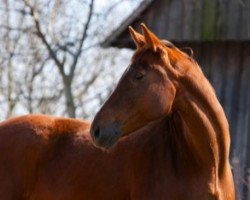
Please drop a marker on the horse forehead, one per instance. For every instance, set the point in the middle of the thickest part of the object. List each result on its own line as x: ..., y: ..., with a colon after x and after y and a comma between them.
x: 145, y: 57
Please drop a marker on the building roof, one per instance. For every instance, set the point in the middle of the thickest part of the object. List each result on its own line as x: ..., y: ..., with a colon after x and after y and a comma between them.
x: 187, y: 21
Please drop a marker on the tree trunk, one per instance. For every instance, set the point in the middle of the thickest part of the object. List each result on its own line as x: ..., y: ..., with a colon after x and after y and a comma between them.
x: 70, y: 105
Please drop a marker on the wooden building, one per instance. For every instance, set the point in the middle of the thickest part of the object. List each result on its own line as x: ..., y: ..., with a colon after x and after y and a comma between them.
x: 218, y: 31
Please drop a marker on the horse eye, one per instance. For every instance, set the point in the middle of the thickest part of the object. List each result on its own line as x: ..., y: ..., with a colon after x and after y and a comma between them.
x: 139, y: 75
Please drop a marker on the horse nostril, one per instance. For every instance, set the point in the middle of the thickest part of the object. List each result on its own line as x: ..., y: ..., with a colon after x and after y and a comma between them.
x: 97, y: 132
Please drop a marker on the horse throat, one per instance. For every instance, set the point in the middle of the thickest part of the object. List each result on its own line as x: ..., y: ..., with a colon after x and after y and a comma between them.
x: 179, y: 146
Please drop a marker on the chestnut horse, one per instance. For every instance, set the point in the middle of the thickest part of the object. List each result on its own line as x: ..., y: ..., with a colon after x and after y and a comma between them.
x: 184, y: 151
x: 176, y: 144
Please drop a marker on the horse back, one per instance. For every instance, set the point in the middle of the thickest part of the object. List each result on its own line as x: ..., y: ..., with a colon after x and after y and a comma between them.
x: 23, y: 141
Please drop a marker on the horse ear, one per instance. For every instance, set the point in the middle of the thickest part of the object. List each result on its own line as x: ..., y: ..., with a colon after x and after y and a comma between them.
x: 151, y: 39
x: 137, y: 37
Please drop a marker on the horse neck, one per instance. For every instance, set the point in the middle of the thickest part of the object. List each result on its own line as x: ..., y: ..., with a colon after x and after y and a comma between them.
x: 203, y: 120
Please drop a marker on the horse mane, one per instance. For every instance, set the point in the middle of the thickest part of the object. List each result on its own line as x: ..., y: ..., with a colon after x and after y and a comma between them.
x: 171, y: 45
x: 168, y: 44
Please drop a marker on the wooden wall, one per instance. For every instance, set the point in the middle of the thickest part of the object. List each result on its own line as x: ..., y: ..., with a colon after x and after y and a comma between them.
x: 200, y: 20
x: 189, y: 20
x: 227, y: 66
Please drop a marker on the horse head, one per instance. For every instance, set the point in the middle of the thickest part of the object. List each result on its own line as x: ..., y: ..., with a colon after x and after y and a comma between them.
x: 145, y: 92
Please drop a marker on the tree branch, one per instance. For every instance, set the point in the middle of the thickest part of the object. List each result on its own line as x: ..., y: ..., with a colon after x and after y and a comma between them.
x: 84, y: 35
x: 41, y: 35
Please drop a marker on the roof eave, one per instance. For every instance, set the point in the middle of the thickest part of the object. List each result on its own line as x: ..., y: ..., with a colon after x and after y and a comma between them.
x: 111, y: 38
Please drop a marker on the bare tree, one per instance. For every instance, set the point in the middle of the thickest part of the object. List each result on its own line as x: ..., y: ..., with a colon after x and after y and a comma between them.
x: 34, y: 78
x: 57, y: 61
x: 12, y: 90
x: 60, y: 62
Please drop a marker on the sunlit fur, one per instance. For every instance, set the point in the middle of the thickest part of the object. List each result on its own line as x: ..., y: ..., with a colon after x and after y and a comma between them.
x: 175, y: 92
x: 169, y: 140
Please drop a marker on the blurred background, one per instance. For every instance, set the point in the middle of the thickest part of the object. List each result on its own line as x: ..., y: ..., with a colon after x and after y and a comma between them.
x: 64, y: 58
x: 50, y: 56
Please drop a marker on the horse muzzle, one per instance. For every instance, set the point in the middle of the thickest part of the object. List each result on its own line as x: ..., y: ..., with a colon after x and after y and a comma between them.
x: 105, y: 136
